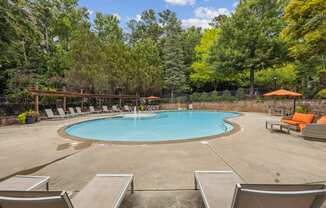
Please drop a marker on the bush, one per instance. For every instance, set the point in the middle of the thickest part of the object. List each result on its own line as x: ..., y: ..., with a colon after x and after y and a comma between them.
x: 300, y: 109
x: 204, y: 97
x: 227, y: 96
x: 195, y: 97
x: 214, y: 96
x: 321, y: 94
x: 240, y: 94
x: 22, y: 118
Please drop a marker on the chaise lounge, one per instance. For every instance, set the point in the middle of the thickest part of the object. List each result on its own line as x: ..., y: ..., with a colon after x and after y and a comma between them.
x: 104, y: 190
x: 80, y: 112
x: 63, y: 114
x: 92, y: 110
x: 315, y: 131
x: 24, y: 183
x: 223, y: 189
x: 49, y: 113
x: 299, y: 120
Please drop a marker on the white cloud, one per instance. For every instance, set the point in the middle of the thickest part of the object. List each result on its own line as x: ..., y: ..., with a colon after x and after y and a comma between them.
x: 90, y: 12
x: 203, y: 23
x: 203, y: 16
x: 138, y: 17
x: 181, y: 2
x: 117, y: 16
x: 235, y: 4
x: 210, y: 13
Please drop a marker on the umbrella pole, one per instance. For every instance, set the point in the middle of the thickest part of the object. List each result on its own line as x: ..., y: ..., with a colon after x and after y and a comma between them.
x: 294, y: 104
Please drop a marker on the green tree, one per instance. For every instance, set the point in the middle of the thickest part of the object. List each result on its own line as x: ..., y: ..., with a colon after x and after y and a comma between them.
x: 173, y: 56
x: 305, y: 33
x: 107, y: 27
x: 202, y: 71
x: 189, y: 39
x: 249, y: 39
x: 146, y: 28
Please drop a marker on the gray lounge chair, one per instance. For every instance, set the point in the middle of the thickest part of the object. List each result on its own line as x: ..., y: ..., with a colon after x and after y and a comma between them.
x: 222, y: 189
x: 79, y: 111
x: 72, y: 112
x: 314, y: 131
x: 92, y: 110
x: 115, y: 108
x: 49, y: 113
x: 104, y: 190
x: 63, y: 114
x: 105, y: 109
x: 24, y: 183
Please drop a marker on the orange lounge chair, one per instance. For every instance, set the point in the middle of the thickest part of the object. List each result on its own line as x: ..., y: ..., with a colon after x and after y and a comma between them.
x: 316, y: 130
x: 299, y: 120
x: 321, y: 120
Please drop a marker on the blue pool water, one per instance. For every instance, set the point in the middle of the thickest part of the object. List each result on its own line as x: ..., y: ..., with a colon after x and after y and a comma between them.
x: 162, y: 127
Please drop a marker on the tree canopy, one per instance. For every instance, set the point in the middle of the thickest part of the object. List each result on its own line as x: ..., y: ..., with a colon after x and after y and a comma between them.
x: 55, y: 44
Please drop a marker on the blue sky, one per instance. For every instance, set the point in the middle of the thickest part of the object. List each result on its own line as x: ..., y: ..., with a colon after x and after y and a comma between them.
x: 190, y: 12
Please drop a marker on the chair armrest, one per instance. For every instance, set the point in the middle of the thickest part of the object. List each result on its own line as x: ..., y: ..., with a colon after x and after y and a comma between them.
x: 317, y: 131
x: 286, y: 118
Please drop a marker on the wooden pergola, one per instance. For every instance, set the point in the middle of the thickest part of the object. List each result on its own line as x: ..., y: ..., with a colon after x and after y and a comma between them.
x: 65, y: 94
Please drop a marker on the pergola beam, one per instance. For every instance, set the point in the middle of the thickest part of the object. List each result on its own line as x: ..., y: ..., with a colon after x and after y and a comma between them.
x: 65, y: 94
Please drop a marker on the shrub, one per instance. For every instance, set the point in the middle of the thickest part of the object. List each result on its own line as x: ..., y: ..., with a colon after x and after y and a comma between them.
x: 300, y: 109
x: 214, y: 96
x: 321, y: 94
x: 22, y: 118
x: 240, y: 94
x: 204, y: 97
x: 227, y: 96
x: 195, y: 96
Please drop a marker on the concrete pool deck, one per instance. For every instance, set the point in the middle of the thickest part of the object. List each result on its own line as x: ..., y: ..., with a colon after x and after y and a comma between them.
x: 163, y: 172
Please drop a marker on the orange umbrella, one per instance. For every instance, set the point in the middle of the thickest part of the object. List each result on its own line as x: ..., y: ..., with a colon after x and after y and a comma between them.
x: 284, y: 93
x: 152, y: 98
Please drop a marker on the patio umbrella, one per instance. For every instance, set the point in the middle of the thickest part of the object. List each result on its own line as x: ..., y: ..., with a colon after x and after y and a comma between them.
x: 284, y: 93
x: 152, y: 98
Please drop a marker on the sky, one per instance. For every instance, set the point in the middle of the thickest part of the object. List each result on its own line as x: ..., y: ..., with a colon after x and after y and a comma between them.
x: 191, y: 12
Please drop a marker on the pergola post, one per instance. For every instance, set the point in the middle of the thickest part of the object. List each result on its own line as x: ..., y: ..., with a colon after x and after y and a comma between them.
x: 64, y: 100
x: 36, y: 102
x: 82, y: 99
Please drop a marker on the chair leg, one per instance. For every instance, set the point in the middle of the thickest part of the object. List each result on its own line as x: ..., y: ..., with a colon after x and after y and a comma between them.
x: 132, y: 187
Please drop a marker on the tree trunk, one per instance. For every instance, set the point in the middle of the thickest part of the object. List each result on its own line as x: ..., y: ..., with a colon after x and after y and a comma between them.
x: 172, y: 96
x: 252, y: 82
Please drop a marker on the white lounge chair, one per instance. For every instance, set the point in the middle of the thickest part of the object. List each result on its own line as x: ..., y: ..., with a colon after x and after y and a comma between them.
x: 92, y: 110
x: 104, y: 190
x: 115, y: 108
x: 79, y: 111
x: 24, y: 183
x: 72, y: 112
x: 222, y: 189
x: 105, y: 109
x: 49, y: 113
x: 126, y: 108
x: 63, y: 114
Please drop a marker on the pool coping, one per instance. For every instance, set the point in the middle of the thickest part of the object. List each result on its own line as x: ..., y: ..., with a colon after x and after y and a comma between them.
x: 236, y: 128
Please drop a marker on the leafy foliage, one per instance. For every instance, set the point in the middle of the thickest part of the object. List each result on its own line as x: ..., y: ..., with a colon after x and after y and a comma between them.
x: 53, y: 44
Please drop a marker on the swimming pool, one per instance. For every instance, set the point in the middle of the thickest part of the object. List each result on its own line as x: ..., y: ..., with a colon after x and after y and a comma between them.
x: 163, y: 126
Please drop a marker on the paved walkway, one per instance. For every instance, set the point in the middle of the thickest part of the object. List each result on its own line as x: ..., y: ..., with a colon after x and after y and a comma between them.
x: 164, y: 172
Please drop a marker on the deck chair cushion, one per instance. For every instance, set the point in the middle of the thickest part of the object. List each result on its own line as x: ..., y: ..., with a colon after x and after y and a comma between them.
x: 303, y: 117
x: 322, y: 120
x: 34, y: 199
x: 278, y: 196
